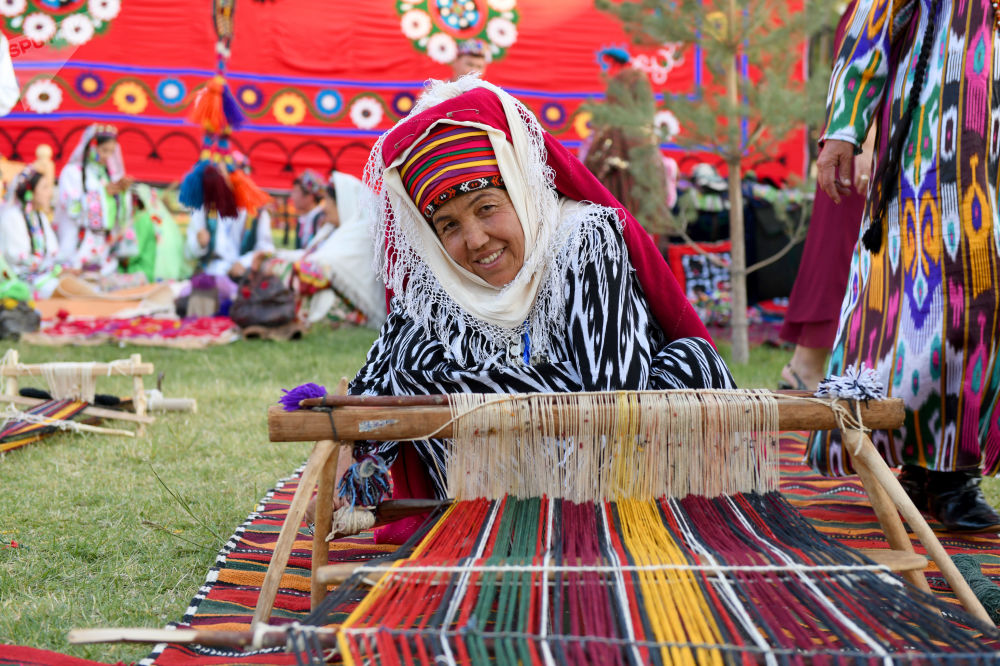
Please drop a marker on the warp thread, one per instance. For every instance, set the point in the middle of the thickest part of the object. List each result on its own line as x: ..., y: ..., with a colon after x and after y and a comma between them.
x: 12, y: 413
x: 609, y: 445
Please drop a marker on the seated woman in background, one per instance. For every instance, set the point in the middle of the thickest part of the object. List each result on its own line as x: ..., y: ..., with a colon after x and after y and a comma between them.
x: 307, y: 199
x: 30, y: 246
x: 89, y: 203
x: 225, y: 245
x: 332, y: 275
x: 513, y: 270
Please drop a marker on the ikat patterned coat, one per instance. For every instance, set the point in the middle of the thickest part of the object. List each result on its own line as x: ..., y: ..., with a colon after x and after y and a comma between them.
x: 924, y: 310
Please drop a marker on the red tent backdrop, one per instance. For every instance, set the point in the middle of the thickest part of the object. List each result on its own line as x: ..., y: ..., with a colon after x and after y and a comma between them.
x: 319, y: 81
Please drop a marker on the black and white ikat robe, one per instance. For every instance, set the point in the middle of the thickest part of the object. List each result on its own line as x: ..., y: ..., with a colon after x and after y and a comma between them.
x: 611, y: 342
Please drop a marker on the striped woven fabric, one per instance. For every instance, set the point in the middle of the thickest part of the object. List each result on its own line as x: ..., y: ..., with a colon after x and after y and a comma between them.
x: 734, y: 579
x: 450, y: 160
x: 15, y: 433
x: 837, y: 508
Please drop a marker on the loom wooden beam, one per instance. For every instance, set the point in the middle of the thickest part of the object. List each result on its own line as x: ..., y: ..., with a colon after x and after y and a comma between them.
x: 98, y: 370
x: 272, y: 637
x: 321, y: 468
x: 326, y: 484
x: 138, y: 391
x: 898, y: 561
x: 290, y: 530
x: 373, y: 421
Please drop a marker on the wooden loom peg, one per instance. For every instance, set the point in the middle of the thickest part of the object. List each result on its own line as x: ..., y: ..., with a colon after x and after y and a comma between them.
x: 324, y: 509
x: 138, y: 394
x: 321, y: 467
x: 13, y: 384
x: 860, y: 448
x: 336, y: 574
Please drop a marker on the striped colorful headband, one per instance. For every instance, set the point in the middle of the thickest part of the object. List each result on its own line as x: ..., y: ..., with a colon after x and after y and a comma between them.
x: 449, y: 161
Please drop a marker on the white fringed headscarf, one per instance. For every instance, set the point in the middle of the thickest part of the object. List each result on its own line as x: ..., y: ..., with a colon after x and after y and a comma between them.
x: 433, y: 289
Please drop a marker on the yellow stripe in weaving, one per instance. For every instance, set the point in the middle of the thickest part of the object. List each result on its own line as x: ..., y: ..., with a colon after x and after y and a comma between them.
x: 677, y: 609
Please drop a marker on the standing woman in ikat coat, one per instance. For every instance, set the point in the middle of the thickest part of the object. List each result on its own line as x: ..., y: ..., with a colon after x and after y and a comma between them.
x: 923, y: 299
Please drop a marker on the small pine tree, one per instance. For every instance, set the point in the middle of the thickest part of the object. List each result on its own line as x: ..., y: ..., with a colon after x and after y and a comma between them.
x: 730, y: 115
x: 624, y: 151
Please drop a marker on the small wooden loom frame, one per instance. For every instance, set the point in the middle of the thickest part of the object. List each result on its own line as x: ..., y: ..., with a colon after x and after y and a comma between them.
x: 134, y: 368
x: 402, y: 418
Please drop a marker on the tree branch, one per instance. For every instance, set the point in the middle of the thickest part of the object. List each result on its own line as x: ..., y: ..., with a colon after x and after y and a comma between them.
x: 713, y: 258
x: 792, y: 242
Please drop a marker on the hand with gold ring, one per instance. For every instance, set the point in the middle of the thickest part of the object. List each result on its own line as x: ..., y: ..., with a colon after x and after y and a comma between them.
x: 833, y: 168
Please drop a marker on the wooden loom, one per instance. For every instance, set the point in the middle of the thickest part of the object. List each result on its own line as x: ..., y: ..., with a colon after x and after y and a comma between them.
x: 340, y: 420
x: 351, y: 418
x: 12, y: 370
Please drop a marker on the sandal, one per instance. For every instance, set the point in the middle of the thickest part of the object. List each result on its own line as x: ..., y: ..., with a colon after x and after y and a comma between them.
x: 785, y: 385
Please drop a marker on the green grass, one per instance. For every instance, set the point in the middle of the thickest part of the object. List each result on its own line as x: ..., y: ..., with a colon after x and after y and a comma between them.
x: 84, y: 505
x: 106, y: 544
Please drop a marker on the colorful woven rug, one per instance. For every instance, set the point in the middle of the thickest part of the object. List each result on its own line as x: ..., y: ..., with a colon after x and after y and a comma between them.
x: 17, y: 433
x: 190, y: 333
x: 229, y: 595
x: 837, y: 507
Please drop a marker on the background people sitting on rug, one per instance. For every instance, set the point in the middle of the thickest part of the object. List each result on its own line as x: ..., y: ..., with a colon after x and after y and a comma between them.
x: 333, y: 276
x: 89, y: 205
x: 29, y: 244
x: 513, y: 270
x: 307, y: 199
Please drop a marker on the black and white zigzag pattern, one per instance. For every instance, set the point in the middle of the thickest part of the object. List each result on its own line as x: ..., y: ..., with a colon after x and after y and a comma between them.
x: 611, y: 342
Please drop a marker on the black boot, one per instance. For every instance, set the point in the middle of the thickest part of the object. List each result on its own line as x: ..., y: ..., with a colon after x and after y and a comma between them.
x: 913, y: 478
x: 956, y: 499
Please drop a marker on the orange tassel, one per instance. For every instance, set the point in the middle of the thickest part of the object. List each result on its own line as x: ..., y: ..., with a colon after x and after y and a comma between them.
x: 247, y: 194
x: 207, y: 108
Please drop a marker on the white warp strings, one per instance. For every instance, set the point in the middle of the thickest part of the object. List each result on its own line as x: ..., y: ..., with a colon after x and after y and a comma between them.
x: 589, y: 447
x: 68, y: 381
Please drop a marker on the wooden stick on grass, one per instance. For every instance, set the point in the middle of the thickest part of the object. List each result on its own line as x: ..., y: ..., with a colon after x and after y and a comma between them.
x: 269, y: 636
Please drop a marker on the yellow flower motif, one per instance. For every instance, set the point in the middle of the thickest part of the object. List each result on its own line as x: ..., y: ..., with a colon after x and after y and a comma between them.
x: 129, y: 97
x: 580, y: 124
x: 289, y: 109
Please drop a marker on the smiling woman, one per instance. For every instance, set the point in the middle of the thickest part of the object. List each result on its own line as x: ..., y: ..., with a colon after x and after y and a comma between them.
x: 513, y: 270
x: 481, y: 232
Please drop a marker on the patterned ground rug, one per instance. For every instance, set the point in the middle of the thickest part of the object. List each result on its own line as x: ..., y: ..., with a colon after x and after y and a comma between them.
x: 15, y: 433
x: 229, y: 595
x: 839, y: 507
x: 189, y: 333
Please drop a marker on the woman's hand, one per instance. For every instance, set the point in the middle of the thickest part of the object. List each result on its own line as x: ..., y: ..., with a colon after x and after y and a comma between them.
x: 203, y: 237
x: 834, y: 166
x: 120, y: 185
x: 862, y: 172
x: 258, y: 260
